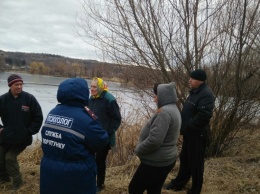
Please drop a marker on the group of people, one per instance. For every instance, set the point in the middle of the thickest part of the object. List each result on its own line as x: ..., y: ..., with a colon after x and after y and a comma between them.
x: 157, y: 144
x: 79, y: 131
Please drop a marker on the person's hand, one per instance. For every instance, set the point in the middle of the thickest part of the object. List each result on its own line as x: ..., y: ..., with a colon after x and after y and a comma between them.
x: 1, y: 130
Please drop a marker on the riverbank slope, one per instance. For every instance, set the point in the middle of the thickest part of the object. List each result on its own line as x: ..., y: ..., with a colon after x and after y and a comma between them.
x: 236, y: 172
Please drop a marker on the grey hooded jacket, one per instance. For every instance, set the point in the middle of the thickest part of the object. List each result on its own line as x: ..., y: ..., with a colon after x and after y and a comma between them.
x: 157, y: 144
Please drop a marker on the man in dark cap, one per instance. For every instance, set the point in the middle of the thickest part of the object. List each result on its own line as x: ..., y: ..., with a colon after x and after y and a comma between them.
x: 196, y: 113
x: 22, y: 117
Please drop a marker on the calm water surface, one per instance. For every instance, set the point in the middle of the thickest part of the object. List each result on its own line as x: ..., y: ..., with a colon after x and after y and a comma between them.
x: 44, y: 88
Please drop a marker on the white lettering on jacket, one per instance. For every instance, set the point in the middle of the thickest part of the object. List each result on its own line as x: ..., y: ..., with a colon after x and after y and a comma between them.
x: 53, y: 134
x: 59, y: 120
x: 53, y: 143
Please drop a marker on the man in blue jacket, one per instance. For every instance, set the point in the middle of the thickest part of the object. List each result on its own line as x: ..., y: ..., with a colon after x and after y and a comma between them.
x: 71, y: 135
x: 22, y: 117
x: 196, y: 113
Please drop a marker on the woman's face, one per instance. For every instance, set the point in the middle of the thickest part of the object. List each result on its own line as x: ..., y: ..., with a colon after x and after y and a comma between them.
x: 93, y: 88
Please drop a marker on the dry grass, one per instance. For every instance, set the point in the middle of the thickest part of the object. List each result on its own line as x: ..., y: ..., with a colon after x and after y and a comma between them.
x: 236, y: 172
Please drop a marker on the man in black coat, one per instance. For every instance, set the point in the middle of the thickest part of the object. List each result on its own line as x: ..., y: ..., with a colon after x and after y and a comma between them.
x: 196, y: 114
x: 21, y: 115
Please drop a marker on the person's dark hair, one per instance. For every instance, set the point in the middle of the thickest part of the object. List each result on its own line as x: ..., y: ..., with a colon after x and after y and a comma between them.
x: 155, y: 88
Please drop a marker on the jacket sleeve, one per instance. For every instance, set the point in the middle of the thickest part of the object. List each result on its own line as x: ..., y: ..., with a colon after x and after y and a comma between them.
x: 37, y: 117
x: 1, y: 99
x: 115, y: 116
x: 96, y: 137
x: 204, y: 112
x: 159, y: 126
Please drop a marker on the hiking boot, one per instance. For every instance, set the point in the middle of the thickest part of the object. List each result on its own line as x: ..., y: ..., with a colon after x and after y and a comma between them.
x: 99, y: 188
x: 17, y: 182
x: 5, y: 179
x: 100, y: 183
x: 172, y: 186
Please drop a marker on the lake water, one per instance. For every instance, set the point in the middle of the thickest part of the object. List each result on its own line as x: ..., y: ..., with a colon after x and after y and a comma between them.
x: 44, y: 88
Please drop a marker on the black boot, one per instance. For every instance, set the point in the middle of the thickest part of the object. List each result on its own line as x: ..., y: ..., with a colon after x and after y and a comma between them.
x: 173, y: 186
x: 5, y: 179
x: 17, y: 182
x: 100, y: 183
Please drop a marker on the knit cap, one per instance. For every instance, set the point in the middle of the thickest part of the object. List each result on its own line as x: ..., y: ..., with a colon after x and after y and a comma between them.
x: 14, y: 78
x: 199, y: 74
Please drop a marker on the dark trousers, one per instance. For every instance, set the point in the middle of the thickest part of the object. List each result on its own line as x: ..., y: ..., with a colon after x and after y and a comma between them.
x: 191, y: 163
x: 149, y: 178
x: 8, y: 160
x: 101, y: 158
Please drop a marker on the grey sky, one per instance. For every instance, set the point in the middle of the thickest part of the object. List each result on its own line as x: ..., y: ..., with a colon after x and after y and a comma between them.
x: 43, y: 26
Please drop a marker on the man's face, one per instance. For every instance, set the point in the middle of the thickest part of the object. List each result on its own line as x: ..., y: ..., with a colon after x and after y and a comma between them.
x: 16, y: 88
x: 194, y: 83
x: 93, y: 88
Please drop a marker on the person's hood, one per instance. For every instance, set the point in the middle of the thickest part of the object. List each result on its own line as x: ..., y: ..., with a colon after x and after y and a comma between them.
x: 166, y: 94
x: 73, y: 90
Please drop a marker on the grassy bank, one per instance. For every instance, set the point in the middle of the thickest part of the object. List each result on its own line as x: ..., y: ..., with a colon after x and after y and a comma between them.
x: 237, y: 171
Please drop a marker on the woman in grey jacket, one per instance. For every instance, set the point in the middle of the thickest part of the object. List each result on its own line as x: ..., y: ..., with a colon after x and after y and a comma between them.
x: 157, y: 144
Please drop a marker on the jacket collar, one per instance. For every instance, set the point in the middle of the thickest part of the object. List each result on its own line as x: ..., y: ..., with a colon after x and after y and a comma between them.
x: 100, y: 96
x: 12, y: 94
x: 196, y: 90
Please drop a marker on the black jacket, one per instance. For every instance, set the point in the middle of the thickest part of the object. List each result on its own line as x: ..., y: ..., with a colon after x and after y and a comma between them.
x: 21, y: 117
x: 197, y: 111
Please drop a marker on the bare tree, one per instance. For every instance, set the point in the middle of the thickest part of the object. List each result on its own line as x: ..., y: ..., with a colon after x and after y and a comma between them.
x: 167, y: 39
x: 235, y: 73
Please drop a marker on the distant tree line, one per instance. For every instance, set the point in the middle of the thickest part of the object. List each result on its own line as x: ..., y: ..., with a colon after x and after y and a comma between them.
x: 64, y: 67
x: 2, y: 62
x: 15, y: 61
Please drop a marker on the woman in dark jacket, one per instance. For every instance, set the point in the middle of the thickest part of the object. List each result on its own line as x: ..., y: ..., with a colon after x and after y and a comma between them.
x: 105, y: 106
x: 70, y: 137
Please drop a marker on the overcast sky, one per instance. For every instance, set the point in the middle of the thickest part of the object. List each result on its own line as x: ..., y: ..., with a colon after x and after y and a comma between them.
x: 43, y: 26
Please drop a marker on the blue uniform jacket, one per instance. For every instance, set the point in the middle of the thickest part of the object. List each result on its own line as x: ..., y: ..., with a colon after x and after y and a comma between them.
x: 70, y: 137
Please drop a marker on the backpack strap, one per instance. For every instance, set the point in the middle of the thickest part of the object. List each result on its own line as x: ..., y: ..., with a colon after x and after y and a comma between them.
x: 90, y: 112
